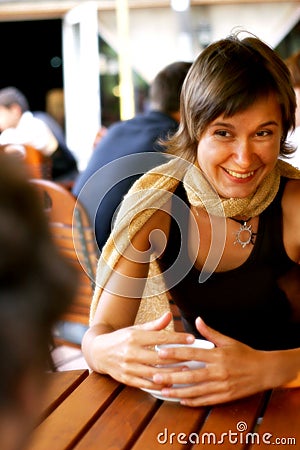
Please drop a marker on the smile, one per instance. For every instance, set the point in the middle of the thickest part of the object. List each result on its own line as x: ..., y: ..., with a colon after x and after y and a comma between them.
x: 240, y: 175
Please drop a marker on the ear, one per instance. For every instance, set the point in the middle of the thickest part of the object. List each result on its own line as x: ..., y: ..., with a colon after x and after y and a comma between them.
x: 15, y: 107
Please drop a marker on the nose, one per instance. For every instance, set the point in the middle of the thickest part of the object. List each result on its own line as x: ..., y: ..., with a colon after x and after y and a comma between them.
x: 243, y: 154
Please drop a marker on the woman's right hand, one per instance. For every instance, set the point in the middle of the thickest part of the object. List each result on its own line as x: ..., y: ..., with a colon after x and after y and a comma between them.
x: 128, y: 354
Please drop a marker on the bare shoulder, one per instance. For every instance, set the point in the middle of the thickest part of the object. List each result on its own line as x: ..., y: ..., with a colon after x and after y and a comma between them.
x: 291, y: 196
x: 155, y: 231
x: 291, y: 219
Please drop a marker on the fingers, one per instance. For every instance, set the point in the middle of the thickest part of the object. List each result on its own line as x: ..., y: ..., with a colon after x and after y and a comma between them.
x: 195, y: 356
x: 152, y: 337
x: 158, y: 324
x: 142, y: 340
x: 188, y: 396
x: 181, y: 376
x: 139, y: 373
x: 195, y: 387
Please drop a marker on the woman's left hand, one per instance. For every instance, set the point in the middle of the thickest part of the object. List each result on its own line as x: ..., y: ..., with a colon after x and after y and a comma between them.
x: 232, y: 370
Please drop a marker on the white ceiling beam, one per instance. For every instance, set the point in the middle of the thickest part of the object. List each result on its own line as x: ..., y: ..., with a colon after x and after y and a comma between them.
x: 47, y: 9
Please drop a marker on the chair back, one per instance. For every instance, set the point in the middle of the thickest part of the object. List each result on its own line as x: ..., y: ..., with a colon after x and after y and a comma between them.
x: 72, y: 233
x: 39, y: 165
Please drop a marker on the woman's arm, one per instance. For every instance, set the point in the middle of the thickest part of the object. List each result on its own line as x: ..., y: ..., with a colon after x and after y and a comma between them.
x: 113, y: 345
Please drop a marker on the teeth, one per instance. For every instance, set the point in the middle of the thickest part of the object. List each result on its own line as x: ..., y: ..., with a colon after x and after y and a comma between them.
x: 239, y: 175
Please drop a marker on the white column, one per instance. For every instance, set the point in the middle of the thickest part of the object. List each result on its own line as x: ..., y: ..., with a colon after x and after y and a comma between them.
x: 81, y: 79
x: 127, y: 109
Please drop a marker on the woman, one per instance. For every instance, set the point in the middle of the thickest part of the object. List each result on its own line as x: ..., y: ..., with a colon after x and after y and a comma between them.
x: 235, y: 205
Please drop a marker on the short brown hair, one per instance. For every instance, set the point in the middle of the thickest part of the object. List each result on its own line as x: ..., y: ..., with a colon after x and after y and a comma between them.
x: 166, y: 87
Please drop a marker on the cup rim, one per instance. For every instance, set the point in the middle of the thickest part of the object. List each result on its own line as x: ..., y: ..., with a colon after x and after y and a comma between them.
x: 198, y: 343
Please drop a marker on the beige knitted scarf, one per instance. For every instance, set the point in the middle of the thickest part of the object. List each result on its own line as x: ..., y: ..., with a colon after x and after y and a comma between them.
x: 150, y: 193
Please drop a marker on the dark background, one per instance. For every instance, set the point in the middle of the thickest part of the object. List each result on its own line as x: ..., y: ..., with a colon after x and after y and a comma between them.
x: 28, y: 51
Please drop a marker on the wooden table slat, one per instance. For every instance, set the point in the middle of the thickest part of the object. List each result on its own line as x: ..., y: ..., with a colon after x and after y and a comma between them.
x: 226, y: 423
x: 181, y: 419
x: 59, y: 386
x: 64, y: 427
x: 281, y: 421
x: 122, y: 421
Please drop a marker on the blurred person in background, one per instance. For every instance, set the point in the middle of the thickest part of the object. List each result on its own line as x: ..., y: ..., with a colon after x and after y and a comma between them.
x: 132, y: 137
x: 36, y: 288
x: 18, y: 125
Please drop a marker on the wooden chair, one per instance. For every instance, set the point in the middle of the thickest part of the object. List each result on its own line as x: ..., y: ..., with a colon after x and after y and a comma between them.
x: 39, y: 165
x: 72, y: 232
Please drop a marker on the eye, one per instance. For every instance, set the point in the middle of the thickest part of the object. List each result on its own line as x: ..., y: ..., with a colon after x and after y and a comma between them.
x: 264, y: 133
x: 222, y: 133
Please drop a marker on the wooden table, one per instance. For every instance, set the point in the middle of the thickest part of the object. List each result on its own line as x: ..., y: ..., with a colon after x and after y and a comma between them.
x: 92, y: 411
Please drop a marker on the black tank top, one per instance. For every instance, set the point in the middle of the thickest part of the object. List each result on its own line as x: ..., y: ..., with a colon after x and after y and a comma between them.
x: 245, y: 303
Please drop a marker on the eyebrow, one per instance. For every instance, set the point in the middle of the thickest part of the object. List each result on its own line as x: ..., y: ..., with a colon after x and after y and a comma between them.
x: 228, y: 125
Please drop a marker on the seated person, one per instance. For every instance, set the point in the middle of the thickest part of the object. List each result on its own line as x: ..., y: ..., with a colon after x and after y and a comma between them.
x: 18, y: 125
x: 218, y: 227
x: 128, y: 149
x: 64, y: 165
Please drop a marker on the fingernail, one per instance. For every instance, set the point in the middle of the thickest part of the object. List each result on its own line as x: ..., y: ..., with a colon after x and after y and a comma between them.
x: 190, y: 339
x: 165, y: 392
x: 162, y: 352
x: 157, y: 378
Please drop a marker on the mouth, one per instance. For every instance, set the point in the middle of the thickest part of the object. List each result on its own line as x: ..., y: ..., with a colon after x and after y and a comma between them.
x: 238, y: 175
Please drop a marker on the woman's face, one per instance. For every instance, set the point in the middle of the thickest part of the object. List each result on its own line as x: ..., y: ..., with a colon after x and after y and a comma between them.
x: 236, y: 153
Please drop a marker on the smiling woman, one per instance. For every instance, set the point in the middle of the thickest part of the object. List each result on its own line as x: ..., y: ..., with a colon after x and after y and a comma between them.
x: 227, y: 206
